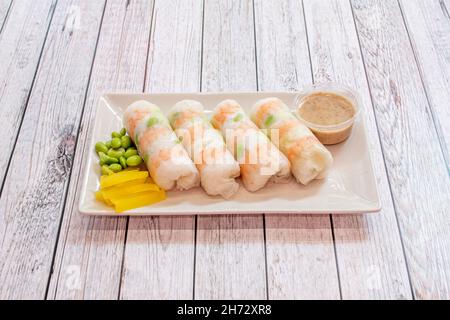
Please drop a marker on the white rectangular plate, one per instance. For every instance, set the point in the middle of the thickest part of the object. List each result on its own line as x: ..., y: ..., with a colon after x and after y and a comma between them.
x: 349, y: 188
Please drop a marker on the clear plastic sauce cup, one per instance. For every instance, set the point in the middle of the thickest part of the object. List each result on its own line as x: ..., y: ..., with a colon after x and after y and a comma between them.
x: 329, y: 111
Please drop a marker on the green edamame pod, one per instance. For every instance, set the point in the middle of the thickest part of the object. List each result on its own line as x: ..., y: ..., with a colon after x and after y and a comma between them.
x: 102, y: 155
x: 108, y: 144
x: 101, y: 147
x: 116, y: 143
x: 106, y: 170
x: 115, y: 134
x: 115, y: 167
x: 123, y: 131
x: 134, y: 161
x: 131, y: 151
x: 112, y: 160
x: 123, y: 162
x: 105, y: 159
x: 125, y: 141
x: 116, y: 153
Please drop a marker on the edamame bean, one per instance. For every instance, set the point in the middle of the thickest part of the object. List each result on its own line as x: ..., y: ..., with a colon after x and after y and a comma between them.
x: 115, y: 134
x: 105, y: 159
x: 131, y: 151
x: 123, y: 162
x: 101, y: 155
x: 116, y: 153
x: 134, y: 161
x: 106, y: 170
x: 125, y: 141
x: 115, y: 167
x: 116, y: 143
x: 101, y: 147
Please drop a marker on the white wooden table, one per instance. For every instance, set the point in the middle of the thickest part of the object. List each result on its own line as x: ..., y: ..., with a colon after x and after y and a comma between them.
x: 58, y: 57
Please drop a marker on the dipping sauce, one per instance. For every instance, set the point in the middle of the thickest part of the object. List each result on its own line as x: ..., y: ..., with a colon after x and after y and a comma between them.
x: 328, y: 115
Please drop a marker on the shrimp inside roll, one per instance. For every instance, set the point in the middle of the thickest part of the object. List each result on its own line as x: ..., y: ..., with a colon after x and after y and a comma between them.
x: 206, y: 147
x: 167, y: 161
x: 308, y: 157
x: 259, y: 160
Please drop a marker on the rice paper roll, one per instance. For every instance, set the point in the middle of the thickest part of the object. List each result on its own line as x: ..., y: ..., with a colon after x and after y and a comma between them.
x: 168, y: 163
x: 259, y: 160
x: 206, y: 147
x: 308, y: 157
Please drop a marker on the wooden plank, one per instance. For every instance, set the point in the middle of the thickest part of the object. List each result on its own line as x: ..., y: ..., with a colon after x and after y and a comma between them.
x: 159, y: 253
x: 4, y: 10
x: 228, y: 46
x: 34, y: 191
x: 300, y: 257
x: 446, y: 7
x: 368, y: 247
x: 230, y: 259
x: 174, y: 60
x: 300, y: 253
x: 89, y: 256
x: 416, y: 168
x: 428, y: 24
x: 22, y: 39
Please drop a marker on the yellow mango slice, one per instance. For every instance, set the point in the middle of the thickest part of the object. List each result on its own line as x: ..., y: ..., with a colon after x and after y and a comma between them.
x: 125, y: 184
x: 121, y: 177
x: 99, y: 196
x: 138, y: 200
x: 118, y: 192
x: 128, y: 190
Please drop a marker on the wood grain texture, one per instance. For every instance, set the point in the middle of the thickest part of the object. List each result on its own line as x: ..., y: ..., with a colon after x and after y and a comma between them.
x: 21, y: 42
x: 300, y: 257
x: 89, y: 256
x: 368, y: 247
x: 34, y: 191
x: 281, y: 45
x: 445, y: 5
x: 4, y: 9
x: 300, y: 254
x: 230, y: 257
x: 174, y: 60
x: 428, y: 23
x: 228, y: 46
x: 416, y: 168
x: 159, y: 252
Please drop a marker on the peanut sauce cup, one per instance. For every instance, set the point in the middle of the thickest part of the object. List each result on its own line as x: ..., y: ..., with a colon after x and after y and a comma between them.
x: 328, y: 110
